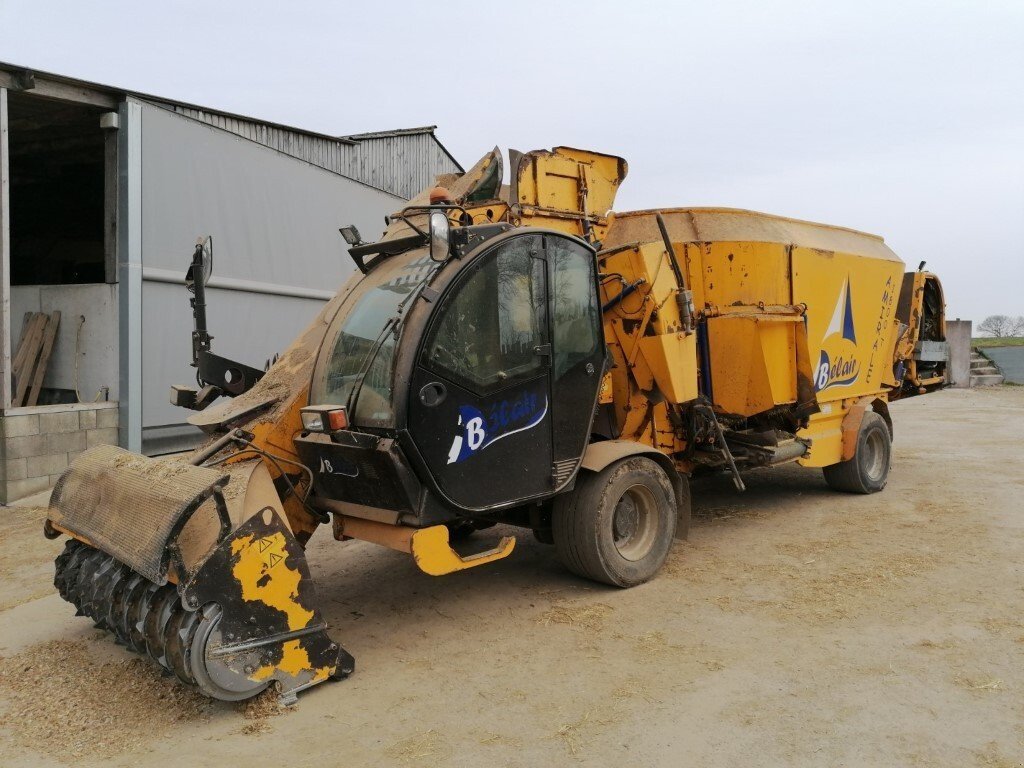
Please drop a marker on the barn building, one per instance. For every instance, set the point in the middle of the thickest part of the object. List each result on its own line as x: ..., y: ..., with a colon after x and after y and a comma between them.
x: 103, y: 193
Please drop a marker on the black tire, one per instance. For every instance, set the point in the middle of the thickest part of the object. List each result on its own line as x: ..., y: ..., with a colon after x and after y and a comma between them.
x: 868, y: 470
x: 616, y: 526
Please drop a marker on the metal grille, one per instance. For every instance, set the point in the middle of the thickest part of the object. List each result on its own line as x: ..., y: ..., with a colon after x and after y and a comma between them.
x: 562, y: 471
x: 130, y: 506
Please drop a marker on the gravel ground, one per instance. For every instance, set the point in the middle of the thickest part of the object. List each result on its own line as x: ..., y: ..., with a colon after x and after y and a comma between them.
x: 796, y: 627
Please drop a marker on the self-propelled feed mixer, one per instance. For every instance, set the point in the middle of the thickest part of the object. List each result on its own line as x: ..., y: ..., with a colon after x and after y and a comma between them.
x: 511, y: 354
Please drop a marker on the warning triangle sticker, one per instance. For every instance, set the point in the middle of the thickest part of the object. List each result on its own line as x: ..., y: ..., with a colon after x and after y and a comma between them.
x: 264, y: 543
x: 275, y: 559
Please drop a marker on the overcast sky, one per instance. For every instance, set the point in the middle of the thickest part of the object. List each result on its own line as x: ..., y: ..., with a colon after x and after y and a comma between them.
x: 905, y: 119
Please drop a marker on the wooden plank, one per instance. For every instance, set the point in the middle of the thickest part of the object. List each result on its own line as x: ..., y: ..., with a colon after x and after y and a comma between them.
x: 34, y: 319
x: 44, y: 359
x: 21, y: 340
x: 24, y: 329
x: 28, y: 363
x: 20, y: 361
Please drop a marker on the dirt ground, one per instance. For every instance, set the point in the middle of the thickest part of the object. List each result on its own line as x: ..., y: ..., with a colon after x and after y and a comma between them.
x: 797, y: 626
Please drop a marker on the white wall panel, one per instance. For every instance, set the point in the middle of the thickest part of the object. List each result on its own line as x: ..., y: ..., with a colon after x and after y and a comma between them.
x: 274, y: 220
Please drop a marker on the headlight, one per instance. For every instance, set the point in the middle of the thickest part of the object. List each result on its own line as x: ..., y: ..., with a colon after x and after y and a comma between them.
x: 324, y: 418
x: 440, y: 236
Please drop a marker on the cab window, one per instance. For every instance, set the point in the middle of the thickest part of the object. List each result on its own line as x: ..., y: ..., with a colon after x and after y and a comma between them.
x: 576, y: 319
x: 488, y: 328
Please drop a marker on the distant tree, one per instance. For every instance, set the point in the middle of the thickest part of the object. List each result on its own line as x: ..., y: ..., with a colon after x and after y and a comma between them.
x: 1001, y: 326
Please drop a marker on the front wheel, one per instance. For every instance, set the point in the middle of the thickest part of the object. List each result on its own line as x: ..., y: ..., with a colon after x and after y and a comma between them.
x: 868, y: 470
x: 616, y: 526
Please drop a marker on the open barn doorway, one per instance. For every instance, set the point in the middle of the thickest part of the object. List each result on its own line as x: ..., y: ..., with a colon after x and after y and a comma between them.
x: 62, y: 160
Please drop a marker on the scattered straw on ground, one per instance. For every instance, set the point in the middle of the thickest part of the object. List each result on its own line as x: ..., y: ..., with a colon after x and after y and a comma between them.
x: 58, y: 699
x: 585, y: 616
x: 427, y: 746
x: 992, y: 757
x: 25, y: 570
x: 576, y: 734
x: 634, y: 689
x: 500, y: 740
x: 654, y: 645
x: 258, y: 710
x: 999, y: 626
x: 979, y: 683
x: 935, y: 644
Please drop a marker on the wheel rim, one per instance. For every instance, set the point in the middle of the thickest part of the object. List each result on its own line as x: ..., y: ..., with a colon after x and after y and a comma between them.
x: 874, y: 456
x: 635, y: 522
x: 215, y: 676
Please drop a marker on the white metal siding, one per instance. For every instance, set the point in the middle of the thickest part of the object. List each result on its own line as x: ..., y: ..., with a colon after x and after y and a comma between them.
x: 403, y: 164
x: 277, y: 251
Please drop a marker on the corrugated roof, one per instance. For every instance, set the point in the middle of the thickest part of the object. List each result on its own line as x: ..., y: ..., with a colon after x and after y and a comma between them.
x: 372, y: 158
x: 387, y: 134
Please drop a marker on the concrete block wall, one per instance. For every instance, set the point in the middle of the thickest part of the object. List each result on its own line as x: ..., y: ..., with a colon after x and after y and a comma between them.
x: 37, y: 444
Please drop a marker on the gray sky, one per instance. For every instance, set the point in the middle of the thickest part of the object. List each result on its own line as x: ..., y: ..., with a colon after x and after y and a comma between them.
x: 904, y: 119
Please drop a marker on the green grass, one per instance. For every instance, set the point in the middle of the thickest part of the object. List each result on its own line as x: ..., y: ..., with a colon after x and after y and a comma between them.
x: 1006, y: 341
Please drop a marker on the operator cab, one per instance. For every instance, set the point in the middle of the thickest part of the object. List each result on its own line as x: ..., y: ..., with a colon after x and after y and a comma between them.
x: 469, y: 384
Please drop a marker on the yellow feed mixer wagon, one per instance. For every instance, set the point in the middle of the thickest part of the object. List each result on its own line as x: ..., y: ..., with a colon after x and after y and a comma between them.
x: 513, y: 354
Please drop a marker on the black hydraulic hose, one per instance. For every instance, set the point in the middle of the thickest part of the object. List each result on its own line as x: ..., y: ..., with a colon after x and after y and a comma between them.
x: 614, y: 300
x: 684, y: 299
x: 680, y: 280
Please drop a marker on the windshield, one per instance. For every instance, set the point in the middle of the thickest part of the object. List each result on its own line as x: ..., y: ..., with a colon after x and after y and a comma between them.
x: 362, y: 341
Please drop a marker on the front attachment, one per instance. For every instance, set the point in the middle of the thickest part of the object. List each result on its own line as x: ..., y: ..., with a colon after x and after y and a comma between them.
x: 260, y: 623
x: 133, y: 507
x: 230, y: 617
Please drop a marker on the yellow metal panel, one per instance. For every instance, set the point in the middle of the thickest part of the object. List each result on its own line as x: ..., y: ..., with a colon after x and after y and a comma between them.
x: 779, y: 347
x: 851, y: 303
x: 753, y: 362
x: 746, y: 273
x: 672, y: 358
x: 733, y: 364
x: 694, y: 256
x: 604, y: 174
x: 556, y: 180
x: 825, y: 431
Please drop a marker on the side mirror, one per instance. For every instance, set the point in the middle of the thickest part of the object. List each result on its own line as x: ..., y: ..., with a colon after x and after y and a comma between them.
x: 202, y: 261
x: 440, y: 236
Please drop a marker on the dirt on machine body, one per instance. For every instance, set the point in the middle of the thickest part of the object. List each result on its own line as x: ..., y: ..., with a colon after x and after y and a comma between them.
x: 504, y: 354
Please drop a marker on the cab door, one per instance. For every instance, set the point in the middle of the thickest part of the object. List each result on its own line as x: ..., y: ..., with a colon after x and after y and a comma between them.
x: 578, y: 351
x: 506, y: 383
x: 480, y: 401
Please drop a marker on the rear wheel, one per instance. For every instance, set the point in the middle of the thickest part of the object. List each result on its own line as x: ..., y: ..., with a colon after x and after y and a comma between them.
x: 868, y: 470
x: 617, y: 526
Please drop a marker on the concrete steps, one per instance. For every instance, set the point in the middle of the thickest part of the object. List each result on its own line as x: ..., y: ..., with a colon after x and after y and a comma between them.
x: 984, y: 373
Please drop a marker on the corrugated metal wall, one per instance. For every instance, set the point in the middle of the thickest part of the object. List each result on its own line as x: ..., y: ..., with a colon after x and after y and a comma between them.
x: 274, y: 221
x: 402, y: 164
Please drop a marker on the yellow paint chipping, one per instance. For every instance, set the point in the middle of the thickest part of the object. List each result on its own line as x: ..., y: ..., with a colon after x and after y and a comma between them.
x: 294, y: 661
x: 264, y: 575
